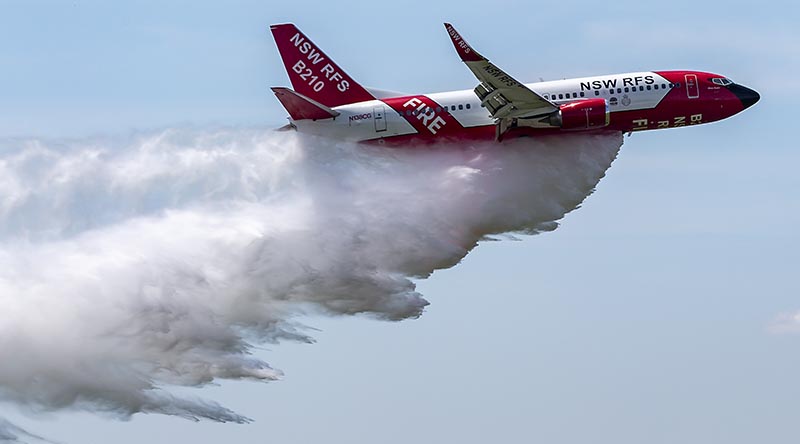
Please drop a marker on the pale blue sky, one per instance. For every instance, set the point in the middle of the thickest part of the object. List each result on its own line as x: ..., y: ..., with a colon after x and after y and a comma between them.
x: 643, y: 318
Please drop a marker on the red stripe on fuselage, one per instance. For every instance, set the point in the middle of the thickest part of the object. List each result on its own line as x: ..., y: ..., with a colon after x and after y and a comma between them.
x: 427, y: 117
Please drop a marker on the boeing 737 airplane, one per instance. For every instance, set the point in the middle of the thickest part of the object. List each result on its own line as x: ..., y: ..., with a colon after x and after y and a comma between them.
x: 328, y: 102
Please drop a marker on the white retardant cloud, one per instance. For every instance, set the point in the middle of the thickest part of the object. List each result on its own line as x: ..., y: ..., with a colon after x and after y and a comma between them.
x: 12, y: 433
x: 129, y: 267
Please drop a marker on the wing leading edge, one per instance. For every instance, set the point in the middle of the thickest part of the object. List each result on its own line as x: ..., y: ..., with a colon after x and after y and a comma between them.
x: 501, y: 94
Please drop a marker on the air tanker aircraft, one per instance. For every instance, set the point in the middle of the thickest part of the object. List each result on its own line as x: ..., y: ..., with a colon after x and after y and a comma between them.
x: 328, y: 102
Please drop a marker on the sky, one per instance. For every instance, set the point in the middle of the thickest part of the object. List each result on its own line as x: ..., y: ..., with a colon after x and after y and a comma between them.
x: 665, y: 309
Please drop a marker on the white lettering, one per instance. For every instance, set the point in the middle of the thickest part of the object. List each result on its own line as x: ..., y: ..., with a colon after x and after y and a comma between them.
x: 437, y: 124
x: 412, y: 102
x: 315, y: 56
x: 299, y: 67
x: 296, y: 39
x: 426, y: 115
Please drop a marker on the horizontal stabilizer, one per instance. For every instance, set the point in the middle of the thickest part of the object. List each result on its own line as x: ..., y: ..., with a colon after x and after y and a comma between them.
x: 301, y: 107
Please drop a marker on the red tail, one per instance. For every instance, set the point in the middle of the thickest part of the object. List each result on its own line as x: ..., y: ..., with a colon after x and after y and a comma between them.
x: 312, y: 72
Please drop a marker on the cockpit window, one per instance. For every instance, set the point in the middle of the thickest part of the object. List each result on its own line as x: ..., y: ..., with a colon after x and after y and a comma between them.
x: 721, y: 81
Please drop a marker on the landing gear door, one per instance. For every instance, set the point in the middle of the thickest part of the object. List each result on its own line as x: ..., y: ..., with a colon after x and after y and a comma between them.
x: 379, y: 116
x: 692, y: 89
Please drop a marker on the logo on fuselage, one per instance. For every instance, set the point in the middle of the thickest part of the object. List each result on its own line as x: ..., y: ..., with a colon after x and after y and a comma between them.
x: 612, y: 83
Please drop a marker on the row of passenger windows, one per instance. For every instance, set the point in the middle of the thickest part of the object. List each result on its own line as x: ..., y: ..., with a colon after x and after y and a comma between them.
x: 438, y: 109
x: 613, y: 91
x: 560, y: 96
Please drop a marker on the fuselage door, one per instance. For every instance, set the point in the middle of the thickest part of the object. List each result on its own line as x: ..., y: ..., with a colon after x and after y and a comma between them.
x: 692, y: 89
x: 379, y: 115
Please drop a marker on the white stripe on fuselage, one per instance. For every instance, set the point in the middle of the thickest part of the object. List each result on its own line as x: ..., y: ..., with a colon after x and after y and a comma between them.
x: 343, y: 127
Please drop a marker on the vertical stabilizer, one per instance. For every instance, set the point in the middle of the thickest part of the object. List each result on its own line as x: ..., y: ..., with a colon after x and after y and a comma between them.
x: 312, y: 73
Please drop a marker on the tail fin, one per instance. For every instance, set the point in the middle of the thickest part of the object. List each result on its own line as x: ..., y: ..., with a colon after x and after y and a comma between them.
x: 312, y: 72
x: 301, y: 107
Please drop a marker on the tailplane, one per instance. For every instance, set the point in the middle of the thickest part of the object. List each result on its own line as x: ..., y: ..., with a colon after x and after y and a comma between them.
x: 301, y: 107
x: 312, y: 73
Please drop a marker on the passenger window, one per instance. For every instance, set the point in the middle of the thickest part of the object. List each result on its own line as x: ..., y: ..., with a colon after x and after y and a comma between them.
x: 611, y: 91
x: 596, y: 92
x: 408, y: 112
x: 582, y: 94
x: 619, y: 90
x: 460, y: 107
x: 468, y: 106
x: 561, y: 96
x: 641, y: 88
x: 438, y: 109
x: 649, y: 88
x: 574, y: 95
x: 627, y: 89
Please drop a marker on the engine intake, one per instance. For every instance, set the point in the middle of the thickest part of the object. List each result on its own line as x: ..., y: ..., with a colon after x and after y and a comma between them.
x: 582, y: 114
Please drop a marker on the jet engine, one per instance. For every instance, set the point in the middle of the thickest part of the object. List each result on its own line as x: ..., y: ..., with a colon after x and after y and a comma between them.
x: 582, y: 114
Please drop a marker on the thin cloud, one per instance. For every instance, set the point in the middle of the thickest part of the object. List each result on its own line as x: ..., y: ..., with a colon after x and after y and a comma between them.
x: 785, y: 323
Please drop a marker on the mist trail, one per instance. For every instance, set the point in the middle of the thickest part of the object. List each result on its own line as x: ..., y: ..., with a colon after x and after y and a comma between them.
x: 127, y: 267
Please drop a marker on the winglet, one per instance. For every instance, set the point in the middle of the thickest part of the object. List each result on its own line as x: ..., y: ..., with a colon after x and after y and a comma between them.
x: 463, y: 49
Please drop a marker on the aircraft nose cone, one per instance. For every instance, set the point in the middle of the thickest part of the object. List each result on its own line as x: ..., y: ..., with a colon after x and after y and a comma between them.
x: 747, y: 96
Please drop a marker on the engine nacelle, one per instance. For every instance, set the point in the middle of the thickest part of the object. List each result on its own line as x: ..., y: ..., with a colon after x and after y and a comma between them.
x: 582, y: 114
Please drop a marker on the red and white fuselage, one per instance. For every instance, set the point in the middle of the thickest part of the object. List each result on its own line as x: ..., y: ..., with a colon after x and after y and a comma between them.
x: 327, y: 102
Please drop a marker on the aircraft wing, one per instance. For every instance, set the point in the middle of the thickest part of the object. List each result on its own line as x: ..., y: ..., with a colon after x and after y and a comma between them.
x: 501, y: 94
